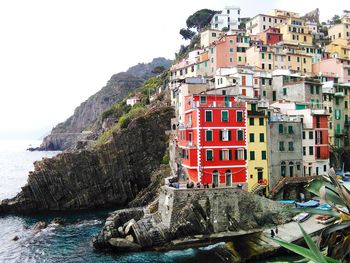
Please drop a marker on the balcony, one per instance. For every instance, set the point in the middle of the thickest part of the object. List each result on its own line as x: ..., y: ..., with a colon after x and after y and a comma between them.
x: 256, y: 113
x: 339, y: 94
x: 216, y: 104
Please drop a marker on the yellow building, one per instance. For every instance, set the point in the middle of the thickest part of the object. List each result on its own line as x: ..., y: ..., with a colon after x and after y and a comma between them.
x: 209, y: 36
x: 261, y: 57
x: 258, y: 159
x: 339, y: 48
x: 295, y: 31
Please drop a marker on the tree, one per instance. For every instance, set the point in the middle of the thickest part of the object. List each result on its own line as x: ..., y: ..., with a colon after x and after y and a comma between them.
x: 335, y: 20
x: 187, y: 33
x: 200, y: 19
x: 158, y: 70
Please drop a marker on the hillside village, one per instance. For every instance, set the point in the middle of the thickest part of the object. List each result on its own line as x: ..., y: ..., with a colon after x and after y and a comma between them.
x: 263, y: 103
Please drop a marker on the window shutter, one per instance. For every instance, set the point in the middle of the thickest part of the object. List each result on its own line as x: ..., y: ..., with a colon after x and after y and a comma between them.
x: 229, y: 135
x: 245, y: 154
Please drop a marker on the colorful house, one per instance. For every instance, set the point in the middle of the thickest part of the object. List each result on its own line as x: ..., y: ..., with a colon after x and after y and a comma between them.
x: 212, y: 141
x: 258, y: 159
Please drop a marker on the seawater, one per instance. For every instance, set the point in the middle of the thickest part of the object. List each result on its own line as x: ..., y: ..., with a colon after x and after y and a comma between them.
x: 71, y: 242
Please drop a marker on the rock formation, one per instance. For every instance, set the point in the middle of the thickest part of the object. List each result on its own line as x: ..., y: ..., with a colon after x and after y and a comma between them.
x: 76, y: 128
x: 112, y: 174
x: 203, y: 215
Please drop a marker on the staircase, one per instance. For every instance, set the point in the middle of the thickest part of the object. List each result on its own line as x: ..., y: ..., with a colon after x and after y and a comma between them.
x: 258, y: 187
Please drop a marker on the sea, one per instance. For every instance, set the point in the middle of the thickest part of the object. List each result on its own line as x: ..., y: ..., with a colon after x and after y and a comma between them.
x: 72, y: 241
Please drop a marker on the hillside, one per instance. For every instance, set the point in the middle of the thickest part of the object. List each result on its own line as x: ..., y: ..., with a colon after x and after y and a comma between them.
x: 66, y: 134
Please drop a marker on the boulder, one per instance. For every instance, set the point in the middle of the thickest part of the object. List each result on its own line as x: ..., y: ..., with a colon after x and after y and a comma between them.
x: 39, y: 225
x: 122, y: 244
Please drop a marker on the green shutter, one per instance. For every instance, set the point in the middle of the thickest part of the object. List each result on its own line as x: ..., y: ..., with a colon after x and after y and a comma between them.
x: 262, y: 55
x: 209, y: 155
x: 231, y: 49
x: 290, y: 129
x: 203, y: 99
x: 262, y: 137
x: 269, y: 56
x: 231, y: 60
x: 208, y: 116
x: 280, y: 128
x: 239, y: 135
x: 263, y: 155
x: 224, y: 116
x: 261, y: 121
x: 209, y: 135
x: 251, y: 121
x: 253, y: 107
x: 252, y: 155
x: 284, y: 91
x: 311, y: 150
x: 239, y: 116
x: 251, y: 137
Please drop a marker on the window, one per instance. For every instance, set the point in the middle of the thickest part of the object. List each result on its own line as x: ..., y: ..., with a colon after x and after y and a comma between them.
x: 251, y: 155
x: 253, y: 107
x: 209, y: 155
x: 317, y: 89
x: 231, y: 49
x: 208, y: 115
x: 304, y: 151
x: 239, y: 135
x: 263, y: 155
x: 337, y: 114
x: 231, y: 60
x: 270, y: 66
x: 304, y: 60
x: 239, y: 116
x: 303, y: 135
x: 262, y: 55
x: 251, y: 121
x: 213, y: 34
x: 311, y: 150
x: 269, y: 55
x: 290, y: 130
x: 337, y: 101
x: 311, y: 135
x: 251, y: 137
x: 225, y: 135
x: 261, y: 121
x: 203, y: 99
x: 262, y: 137
x: 290, y: 146
x: 283, y: 169
x: 264, y: 93
x: 225, y: 155
x: 280, y: 128
x: 288, y: 58
x: 346, y: 104
x: 209, y: 135
x: 240, y: 154
x: 228, y: 176
x: 239, y: 59
x: 281, y: 146
x: 284, y: 91
x: 224, y: 116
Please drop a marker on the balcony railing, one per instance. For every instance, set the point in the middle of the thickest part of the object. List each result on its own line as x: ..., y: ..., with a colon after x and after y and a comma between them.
x: 216, y: 104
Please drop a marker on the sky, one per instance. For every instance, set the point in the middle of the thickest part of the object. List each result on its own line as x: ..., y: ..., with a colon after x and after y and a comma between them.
x: 55, y: 54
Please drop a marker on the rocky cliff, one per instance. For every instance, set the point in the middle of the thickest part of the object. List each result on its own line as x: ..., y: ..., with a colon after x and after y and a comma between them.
x: 110, y: 175
x: 66, y: 134
x: 189, y: 216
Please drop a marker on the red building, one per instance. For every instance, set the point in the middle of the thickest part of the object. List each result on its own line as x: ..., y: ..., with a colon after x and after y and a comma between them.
x: 320, y: 124
x: 271, y: 36
x: 212, y: 140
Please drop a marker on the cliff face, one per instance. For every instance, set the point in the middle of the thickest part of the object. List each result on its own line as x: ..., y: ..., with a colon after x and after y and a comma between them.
x: 111, y: 174
x: 66, y: 134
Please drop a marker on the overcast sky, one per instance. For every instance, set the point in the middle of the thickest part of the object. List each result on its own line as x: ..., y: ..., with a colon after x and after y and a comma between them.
x: 55, y: 54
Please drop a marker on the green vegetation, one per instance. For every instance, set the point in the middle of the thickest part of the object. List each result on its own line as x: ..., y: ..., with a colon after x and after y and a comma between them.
x: 313, y: 253
x: 336, y: 238
x: 200, y: 19
x: 187, y: 33
x: 124, y: 113
x: 166, y: 158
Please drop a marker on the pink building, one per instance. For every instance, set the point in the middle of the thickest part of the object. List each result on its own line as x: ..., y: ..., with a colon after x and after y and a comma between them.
x: 332, y: 68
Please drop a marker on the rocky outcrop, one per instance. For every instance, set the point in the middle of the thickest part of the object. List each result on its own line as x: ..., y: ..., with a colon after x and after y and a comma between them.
x: 110, y: 175
x: 206, y: 214
x: 76, y: 128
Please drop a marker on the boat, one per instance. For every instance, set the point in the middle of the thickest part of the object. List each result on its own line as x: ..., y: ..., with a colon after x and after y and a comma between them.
x: 302, y: 217
x: 286, y: 201
x: 325, y: 219
x: 310, y: 203
x: 324, y: 207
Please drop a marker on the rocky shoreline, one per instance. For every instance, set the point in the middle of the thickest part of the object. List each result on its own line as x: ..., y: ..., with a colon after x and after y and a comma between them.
x: 110, y: 175
x: 183, y: 218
